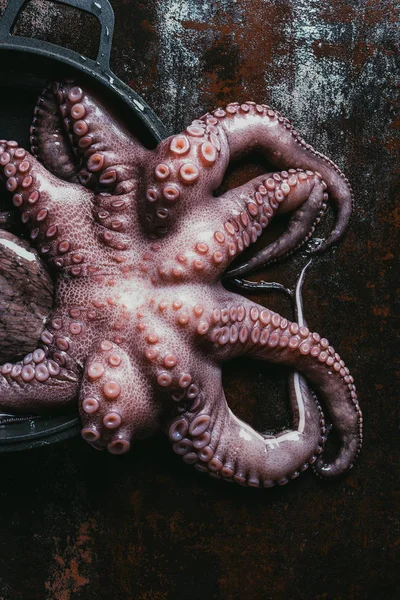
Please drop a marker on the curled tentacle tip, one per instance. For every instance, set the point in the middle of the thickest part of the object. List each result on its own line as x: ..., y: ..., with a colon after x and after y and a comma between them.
x: 339, y: 467
x: 327, y: 470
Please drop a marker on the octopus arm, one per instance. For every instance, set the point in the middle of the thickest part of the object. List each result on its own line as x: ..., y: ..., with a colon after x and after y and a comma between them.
x: 300, y: 229
x: 258, y: 127
x: 80, y: 139
x: 49, y: 144
x: 249, y: 209
x: 57, y: 214
x: 252, y: 330
x: 38, y: 383
x: 116, y: 400
x: 220, y: 444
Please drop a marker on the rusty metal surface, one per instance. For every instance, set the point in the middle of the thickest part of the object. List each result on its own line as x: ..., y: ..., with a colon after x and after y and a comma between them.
x: 77, y: 524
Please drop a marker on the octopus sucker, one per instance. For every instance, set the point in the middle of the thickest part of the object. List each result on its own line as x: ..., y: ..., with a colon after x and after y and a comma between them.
x: 48, y: 140
x: 140, y: 324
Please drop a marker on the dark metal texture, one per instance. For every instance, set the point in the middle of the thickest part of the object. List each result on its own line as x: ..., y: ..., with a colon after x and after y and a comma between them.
x: 81, y: 525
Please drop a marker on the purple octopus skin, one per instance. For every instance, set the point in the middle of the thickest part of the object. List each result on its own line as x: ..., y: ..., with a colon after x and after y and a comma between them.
x: 141, y: 322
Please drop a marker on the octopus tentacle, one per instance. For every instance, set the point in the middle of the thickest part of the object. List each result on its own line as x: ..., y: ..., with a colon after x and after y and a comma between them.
x: 57, y: 214
x: 249, y: 329
x: 302, y: 223
x: 321, y: 467
x: 115, y: 400
x: 34, y: 188
x: 238, y: 219
x: 258, y: 127
x: 212, y: 438
x: 48, y: 139
x: 109, y: 155
x: 182, y: 172
x: 37, y: 382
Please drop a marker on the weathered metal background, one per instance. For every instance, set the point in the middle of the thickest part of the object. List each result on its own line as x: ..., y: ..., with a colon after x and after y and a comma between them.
x: 77, y: 524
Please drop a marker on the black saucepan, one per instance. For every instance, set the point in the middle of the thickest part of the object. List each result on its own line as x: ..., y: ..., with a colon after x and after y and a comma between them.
x: 26, y: 65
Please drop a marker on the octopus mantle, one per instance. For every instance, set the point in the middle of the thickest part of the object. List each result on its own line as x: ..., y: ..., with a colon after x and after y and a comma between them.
x: 141, y: 323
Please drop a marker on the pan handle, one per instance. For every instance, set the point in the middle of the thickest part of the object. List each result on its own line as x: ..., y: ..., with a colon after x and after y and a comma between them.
x: 101, y: 9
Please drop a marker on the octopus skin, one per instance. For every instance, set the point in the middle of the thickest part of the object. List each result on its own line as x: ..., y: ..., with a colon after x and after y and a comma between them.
x: 141, y: 323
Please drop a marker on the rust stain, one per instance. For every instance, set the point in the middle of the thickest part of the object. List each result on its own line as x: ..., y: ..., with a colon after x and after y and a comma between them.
x: 392, y: 217
x: 147, y: 26
x: 383, y: 311
x: 67, y: 576
x: 218, y: 88
x: 196, y: 26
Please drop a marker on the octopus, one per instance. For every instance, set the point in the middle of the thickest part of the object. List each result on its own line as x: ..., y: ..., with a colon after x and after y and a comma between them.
x: 137, y: 242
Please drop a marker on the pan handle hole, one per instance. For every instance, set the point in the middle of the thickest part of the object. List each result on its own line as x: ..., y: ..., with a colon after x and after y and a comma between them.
x: 59, y: 24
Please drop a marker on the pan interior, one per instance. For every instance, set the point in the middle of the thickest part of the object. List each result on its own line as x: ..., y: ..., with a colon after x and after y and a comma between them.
x: 23, y: 74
